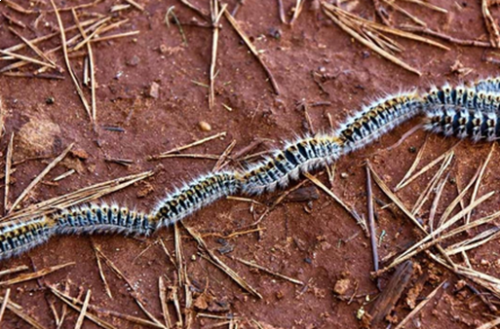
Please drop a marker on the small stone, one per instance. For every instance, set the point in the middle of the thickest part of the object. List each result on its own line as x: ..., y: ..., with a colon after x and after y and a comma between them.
x: 204, y: 126
x: 80, y: 154
x: 50, y: 100
x: 163, y: 49
x: 154, y: 90
x: 344, y: 175
x: 412, y: 149
x: 341, y: 286
x: 134, y: 61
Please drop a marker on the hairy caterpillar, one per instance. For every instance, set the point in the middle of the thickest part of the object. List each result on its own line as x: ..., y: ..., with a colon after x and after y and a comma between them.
x: 114, y: 219
x: 195, y: 195
x: 488, y: 85
x: 18, y: 237
x: 463, y: 123
x: 303, y: 155
x: 462, y: 97
x: 377, y: 119
x: 459, y: 111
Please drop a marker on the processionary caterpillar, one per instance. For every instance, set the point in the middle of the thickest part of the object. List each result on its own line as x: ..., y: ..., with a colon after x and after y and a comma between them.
x: 454, y: 111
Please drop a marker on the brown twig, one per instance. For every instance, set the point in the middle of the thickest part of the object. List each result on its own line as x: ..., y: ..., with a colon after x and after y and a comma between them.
x: 40, y: 176
x: 68, y: 64
x: 366, y: 42
x: 185, y: 147
x: 8, y: 167
x: 371, y: 222
x: 216, y: 15
x: 419, y: 306
x: 351, y: 211
x: 253, y: 50
x: 490, y: 23
x: 35, y: 275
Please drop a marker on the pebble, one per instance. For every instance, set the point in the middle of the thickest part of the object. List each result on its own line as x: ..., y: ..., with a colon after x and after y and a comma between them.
x: 154, y: 90
x: 204, y: 126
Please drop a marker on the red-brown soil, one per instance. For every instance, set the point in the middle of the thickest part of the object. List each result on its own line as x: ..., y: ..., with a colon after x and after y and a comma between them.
x: 318, y: 246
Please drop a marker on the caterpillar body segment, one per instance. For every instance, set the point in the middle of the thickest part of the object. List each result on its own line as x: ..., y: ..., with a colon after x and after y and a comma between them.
x: 377, y: 119
x: 462, y: 97
x: 463, y: 123
x: 491, y: 84
x: 103, y: 219
x: 287, y: 164
x: 20, y: 236
x: 195, y: 195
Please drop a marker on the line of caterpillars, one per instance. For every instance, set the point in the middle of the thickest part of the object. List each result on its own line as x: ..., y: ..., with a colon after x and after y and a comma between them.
x: 464, y: 112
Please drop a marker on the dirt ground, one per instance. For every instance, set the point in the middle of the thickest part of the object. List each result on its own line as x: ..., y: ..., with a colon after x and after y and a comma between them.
x: 316, y: 242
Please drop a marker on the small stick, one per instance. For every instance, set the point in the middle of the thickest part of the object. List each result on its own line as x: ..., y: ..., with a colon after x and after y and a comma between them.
x: 458, y: 199
x: 68, y: 64
x: 4, y: 303
x: 14, y: 270
x: 491, y: 25
x: 18, y: 310
x: 404, y: 12
x: 35, y: 275
x: 224, y: 155
x: 381, y: 184
x: 12, y: 20
x: 428, y: 31
x: 220, y: 264
x: 253, y: 50
x: 370, y: 45
x: 18, y: 8
x: 33, y: 47
x: 8, y: 167
x: 414, y: 164
x: 163, y: 299
x: 392, y: 292
x: 252, y: 264
x: 382, y: 13
x: 298, y: 9
x: 419, y: 306
x: 478, y: 181
x: 135, y: 4
x: 170, y: 12
x: 25, y: 58
x: 82, y: 6
x: 423, y: 244
x: 198, y: 11
x: 428, y: 5
x: 196, y: 143
x: 83, y: 311
x: 101, y: 272
x: 432, y: 184
x: 89, y: 316
x: 40, y: 176
x: 115, y: 36
x: 282, y: 12
x: 351, y: 211
x: 371, y: 223
x: 216, y: 15
x: 435, y: 202
x: 427, y: 167
x: 91, y: 67
x: 66, y: 174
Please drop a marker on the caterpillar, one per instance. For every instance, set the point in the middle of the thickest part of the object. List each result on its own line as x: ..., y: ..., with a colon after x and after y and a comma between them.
x: 103, y: 218
x: 470, y: 98
x: 488, y: 85
x: 195, y: 195
x: 302, y: 156
x: 18, y: 237
x: 453, y: 111
x: 377, y: 119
